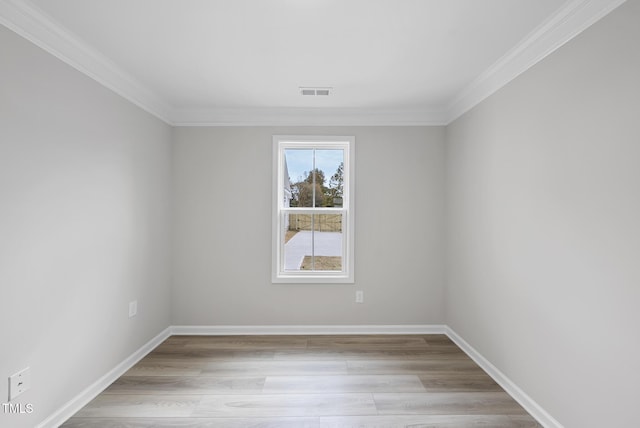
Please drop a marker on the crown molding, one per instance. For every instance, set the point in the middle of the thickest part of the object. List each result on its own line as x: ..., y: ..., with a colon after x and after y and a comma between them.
x: 31, y: 23
x: 281, y: 116
x: 573, y: 18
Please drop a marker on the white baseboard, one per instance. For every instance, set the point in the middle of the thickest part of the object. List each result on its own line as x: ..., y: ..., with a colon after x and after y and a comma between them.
x: 306, y: 329
x: 82, y: 399
x: 534, y: 409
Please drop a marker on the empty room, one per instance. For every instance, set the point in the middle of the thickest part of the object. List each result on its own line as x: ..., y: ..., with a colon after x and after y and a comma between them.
x: 319, y: 213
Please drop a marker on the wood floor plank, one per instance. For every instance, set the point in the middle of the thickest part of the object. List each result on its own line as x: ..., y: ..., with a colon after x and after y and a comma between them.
x: 247, y: 342
x: 445, y: 351
x: 430, y: 421
x: 411, y: 366
x: 342, y: 384
x: 148, y: 405
x: 452, y: 381
x: 194, y: 353
x: 366, y: 342
x: 186, y: 385
x: 449, y: 403
x: 273, y: 368
x: 438, y: 339
x: 284, y: 422
x: 277, y: 405
x: 371, y: 354
x: 169, y: 367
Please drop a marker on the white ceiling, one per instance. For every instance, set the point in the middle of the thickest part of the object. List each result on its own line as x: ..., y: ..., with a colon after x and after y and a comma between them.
x: 242, y: 61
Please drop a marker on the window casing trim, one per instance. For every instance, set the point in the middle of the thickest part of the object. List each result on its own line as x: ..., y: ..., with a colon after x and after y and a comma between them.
x: 280, y: 143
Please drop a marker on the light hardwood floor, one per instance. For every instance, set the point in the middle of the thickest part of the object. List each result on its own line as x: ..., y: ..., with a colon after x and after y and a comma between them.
x: 304, y: 381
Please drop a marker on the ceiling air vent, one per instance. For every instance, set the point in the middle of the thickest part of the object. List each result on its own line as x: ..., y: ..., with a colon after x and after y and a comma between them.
x: 315, y: 91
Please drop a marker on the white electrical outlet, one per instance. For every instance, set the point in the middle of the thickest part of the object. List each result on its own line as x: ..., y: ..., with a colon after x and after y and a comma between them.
x: 19, y: 383
x: 359, y: 296
x: 133, y: 308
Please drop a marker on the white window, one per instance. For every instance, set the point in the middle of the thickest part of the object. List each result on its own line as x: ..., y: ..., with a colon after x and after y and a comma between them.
x: 313, y: 209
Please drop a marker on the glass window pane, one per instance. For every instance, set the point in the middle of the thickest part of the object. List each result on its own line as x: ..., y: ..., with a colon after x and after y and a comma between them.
x: 313, y: 242
x: 327, y: 244
x: 329, y: 164
x: 298, y: 243
x: 298, y: 180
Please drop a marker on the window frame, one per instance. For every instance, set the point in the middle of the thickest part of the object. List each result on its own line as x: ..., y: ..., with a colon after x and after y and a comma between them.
x: 280, y: 143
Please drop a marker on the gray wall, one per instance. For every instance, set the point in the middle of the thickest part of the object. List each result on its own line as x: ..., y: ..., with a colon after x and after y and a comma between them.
x: 543, y: 211
x: 84, y: 183
x: 222, y: 231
